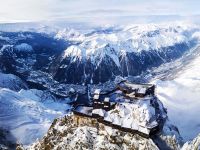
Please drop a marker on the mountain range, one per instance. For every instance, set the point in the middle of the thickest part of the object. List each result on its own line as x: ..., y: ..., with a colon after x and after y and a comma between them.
x: 41, y: 67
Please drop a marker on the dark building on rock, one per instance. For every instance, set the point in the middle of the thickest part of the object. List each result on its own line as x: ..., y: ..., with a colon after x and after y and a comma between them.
x: 125, y: 94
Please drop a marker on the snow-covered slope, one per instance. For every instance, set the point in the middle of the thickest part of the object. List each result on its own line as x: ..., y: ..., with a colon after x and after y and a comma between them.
x: 49, y: 57
x: 181, y: 97
x: 124, y: 51
x: 12, y: 82
x: 28, y: 114
x: 95, y: 55
x: 135, y: 38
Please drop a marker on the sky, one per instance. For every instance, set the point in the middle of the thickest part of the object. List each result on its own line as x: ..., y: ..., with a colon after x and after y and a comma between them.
x: 36, y: 10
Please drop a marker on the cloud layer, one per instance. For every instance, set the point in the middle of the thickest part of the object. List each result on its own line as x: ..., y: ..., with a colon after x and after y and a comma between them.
x: 34, y: 10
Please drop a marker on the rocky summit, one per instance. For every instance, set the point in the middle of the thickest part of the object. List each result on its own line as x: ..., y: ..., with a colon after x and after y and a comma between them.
x: 78, y: 86
x: 134, y: 122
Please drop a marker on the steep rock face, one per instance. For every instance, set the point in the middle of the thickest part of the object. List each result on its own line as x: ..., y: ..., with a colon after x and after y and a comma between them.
x: 132, y: 64
x: 169, y: 138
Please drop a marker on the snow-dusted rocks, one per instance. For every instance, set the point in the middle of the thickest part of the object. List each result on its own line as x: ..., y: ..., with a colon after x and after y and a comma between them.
x: 75, y: 132
x: 133, y: 38
x: 135, y: 124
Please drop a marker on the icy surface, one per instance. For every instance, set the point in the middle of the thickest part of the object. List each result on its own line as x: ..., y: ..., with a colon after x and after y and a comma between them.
x: 28, y: 114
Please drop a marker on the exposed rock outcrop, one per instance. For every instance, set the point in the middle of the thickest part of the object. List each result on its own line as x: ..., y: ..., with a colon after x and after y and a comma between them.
x: 77, y: 132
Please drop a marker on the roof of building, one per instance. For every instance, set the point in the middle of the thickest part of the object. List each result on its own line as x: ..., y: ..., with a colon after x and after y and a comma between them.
x: 106, y: 99
x: 96, y: 97
x: 142, y: 90
x: 97, y: 91
x: 127, y: 84
x: 99, y: 112
x: 134, y: 115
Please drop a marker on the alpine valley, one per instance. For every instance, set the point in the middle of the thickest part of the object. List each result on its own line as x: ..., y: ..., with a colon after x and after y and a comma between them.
x: 46, y: 71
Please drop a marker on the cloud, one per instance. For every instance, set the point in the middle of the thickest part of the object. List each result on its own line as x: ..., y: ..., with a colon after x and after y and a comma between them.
x: 104, y: 12
x: 51, y: 9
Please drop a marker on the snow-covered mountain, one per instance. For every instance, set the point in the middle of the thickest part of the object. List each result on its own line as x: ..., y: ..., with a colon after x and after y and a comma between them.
x: 77, y: 132
x: 43, y: 69
x: 103, y: 54
x: 95, y: 55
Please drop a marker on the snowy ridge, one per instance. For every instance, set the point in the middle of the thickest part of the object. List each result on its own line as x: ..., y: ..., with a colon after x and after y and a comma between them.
x: 129, y: 39
x: 88, y: 136
x: 69, y: 34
